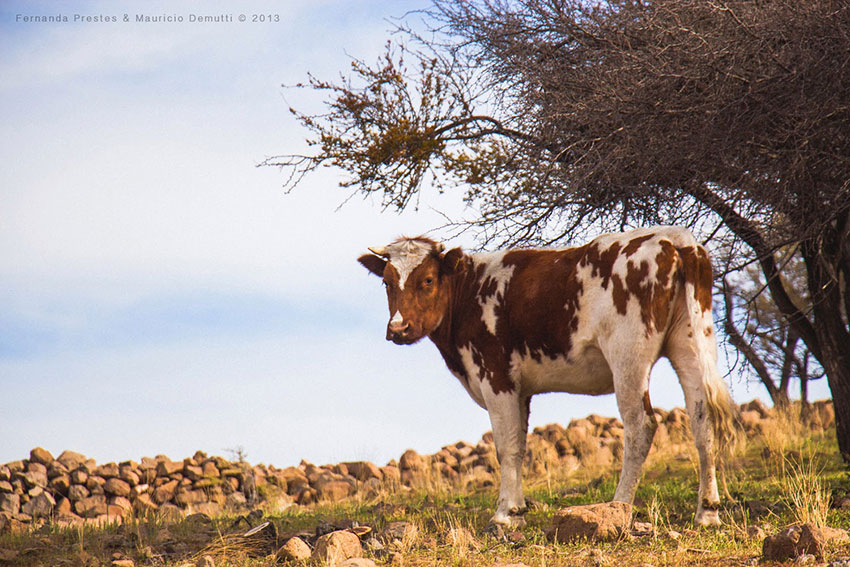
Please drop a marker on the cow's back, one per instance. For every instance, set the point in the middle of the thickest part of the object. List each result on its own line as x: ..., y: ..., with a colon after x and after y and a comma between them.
x: 555, y: 312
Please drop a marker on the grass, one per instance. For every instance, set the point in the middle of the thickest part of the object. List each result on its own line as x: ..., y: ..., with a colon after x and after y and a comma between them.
x: 786, y: 477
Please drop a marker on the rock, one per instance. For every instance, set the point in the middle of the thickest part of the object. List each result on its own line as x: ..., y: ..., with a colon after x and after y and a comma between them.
x: 60, y: 484
x: 594, y: 522
x: 109, y: 470
x: 77, y: 492
x: 411, y: 460
x: 143, y: 503
x: 336, y: 547
x: 79, y: 476
x: 71, y: 459
x: 6, y: 486
x: 205, y: 561
x: 42, y: 456
x: 392, y: 474
x: 34, y: 478
x: 363, y: 471
x: 209, y: 470
x: 95, y: 484
x: 812, y: 541
x: 294, y: 550
x: 168, y: 468
x: 39, y: 507
x: 399, y: 532
x: 117, y: 487
x: 10, y: 503
x: 165, y: 492
x: 357, y: 562
x: 63, y: 507
x: 781, y: 546
x: 123, y: 563
x: 91, y: 507
x: 334, y: 491
x: 188, y: 497
x: 121, y: 503
x: 640, y: 529
x: 193, y: 472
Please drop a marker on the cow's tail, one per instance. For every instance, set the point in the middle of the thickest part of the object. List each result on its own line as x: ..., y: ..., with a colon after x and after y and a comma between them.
x: 721, y: 408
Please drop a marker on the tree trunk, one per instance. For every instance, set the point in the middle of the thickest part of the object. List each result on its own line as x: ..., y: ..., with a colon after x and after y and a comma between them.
x: 832, y: 334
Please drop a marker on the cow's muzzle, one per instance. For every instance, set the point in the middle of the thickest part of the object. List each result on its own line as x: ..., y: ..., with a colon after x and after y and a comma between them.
x: 400, y: 333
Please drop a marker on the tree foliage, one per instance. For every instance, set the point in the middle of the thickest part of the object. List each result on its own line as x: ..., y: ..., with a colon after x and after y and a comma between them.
x: 558, y: 115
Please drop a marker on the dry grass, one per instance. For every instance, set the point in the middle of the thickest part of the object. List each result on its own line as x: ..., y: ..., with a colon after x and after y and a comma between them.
x: 448, y: 520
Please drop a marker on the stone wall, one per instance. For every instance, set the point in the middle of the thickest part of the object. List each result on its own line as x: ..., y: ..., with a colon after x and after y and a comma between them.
x: 72, y: 489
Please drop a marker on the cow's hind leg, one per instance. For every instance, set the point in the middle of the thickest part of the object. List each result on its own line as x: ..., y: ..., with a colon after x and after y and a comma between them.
x: 690, y: 367
x: 631, y: 388
x: 509, y: 418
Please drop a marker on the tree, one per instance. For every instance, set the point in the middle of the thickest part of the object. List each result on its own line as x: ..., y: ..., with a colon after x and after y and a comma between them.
x: 756, y: 328
x: 563, y: 115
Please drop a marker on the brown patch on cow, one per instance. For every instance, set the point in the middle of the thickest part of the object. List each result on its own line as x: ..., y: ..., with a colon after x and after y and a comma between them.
x: 620, y: 295
x: 708, y: 331
x: 697, y: 271
x: 635, y: 243
x: 654, y: 295
x: 647, y: 406
x: 602, y: 263
x: 542, y: 301
x: 662, y: 296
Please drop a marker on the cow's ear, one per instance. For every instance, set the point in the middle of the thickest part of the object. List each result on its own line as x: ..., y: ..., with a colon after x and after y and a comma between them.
x: 374, y: 264
x: 452, y: 262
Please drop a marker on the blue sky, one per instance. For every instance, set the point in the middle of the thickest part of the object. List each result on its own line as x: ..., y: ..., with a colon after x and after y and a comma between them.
x: 161, y: 294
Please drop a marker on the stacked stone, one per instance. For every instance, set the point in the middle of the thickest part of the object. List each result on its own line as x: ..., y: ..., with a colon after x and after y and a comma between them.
x: 73, y: 488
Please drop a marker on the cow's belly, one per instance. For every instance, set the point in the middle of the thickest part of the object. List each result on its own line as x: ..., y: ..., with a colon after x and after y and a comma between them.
x: 587, y: 373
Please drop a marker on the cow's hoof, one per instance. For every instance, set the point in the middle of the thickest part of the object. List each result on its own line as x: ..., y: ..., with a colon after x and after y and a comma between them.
x: 496, y: 530
x: 707, y: 518
x: 499, y: 528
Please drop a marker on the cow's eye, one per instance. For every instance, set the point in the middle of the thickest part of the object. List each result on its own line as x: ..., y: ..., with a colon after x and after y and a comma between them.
x: 384, y: 283
x: 428, y: 281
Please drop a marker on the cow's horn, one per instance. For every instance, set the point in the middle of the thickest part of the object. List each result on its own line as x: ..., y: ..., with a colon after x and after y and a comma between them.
x: 379, y: 251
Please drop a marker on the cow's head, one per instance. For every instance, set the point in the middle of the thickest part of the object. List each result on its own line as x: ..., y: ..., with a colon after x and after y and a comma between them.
x: 417, y: 275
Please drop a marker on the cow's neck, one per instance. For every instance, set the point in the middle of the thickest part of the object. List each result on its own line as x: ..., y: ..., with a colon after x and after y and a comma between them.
x: 461, y: 296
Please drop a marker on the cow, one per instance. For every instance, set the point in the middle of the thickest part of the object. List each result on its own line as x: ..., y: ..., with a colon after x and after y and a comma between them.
x: 591, y: 319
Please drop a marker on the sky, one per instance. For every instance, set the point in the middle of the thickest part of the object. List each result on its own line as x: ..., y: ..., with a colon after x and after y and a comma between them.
x: 160, y: 293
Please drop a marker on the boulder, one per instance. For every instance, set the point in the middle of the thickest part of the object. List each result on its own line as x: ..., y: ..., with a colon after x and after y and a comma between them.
x: 782, y: 545
x: 91, y: 507
x: 363, y: 470
x: 594, y: 522
x: 411, y: 460
x: 42, y: 456
x: 77, y: 492
x: 10, y: 503
x: 117, y: 487
x: 71, y: 459
x: 294, y: 550
x: 336, y: 547
x: 334, y: 490
x: 40, y: 506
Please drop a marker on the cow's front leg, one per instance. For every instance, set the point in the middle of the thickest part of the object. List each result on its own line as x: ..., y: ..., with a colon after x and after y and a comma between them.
x: 509, y: 418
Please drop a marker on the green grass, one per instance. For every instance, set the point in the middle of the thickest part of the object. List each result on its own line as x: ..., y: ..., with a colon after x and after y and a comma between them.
x: 771, y: 490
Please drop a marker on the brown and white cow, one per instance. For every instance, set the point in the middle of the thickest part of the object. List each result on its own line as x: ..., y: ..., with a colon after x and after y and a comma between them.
x: 587, y: 320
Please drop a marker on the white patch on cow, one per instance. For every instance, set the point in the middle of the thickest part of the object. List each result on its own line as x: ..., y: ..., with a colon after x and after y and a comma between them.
x: 405, y: 256
x: 501, y: 274
x: 587, y: 372
x: 397, y: 319
x: 473, y: 372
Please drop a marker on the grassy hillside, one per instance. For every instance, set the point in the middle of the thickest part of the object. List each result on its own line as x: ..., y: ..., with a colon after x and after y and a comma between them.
x: 782, y: 476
